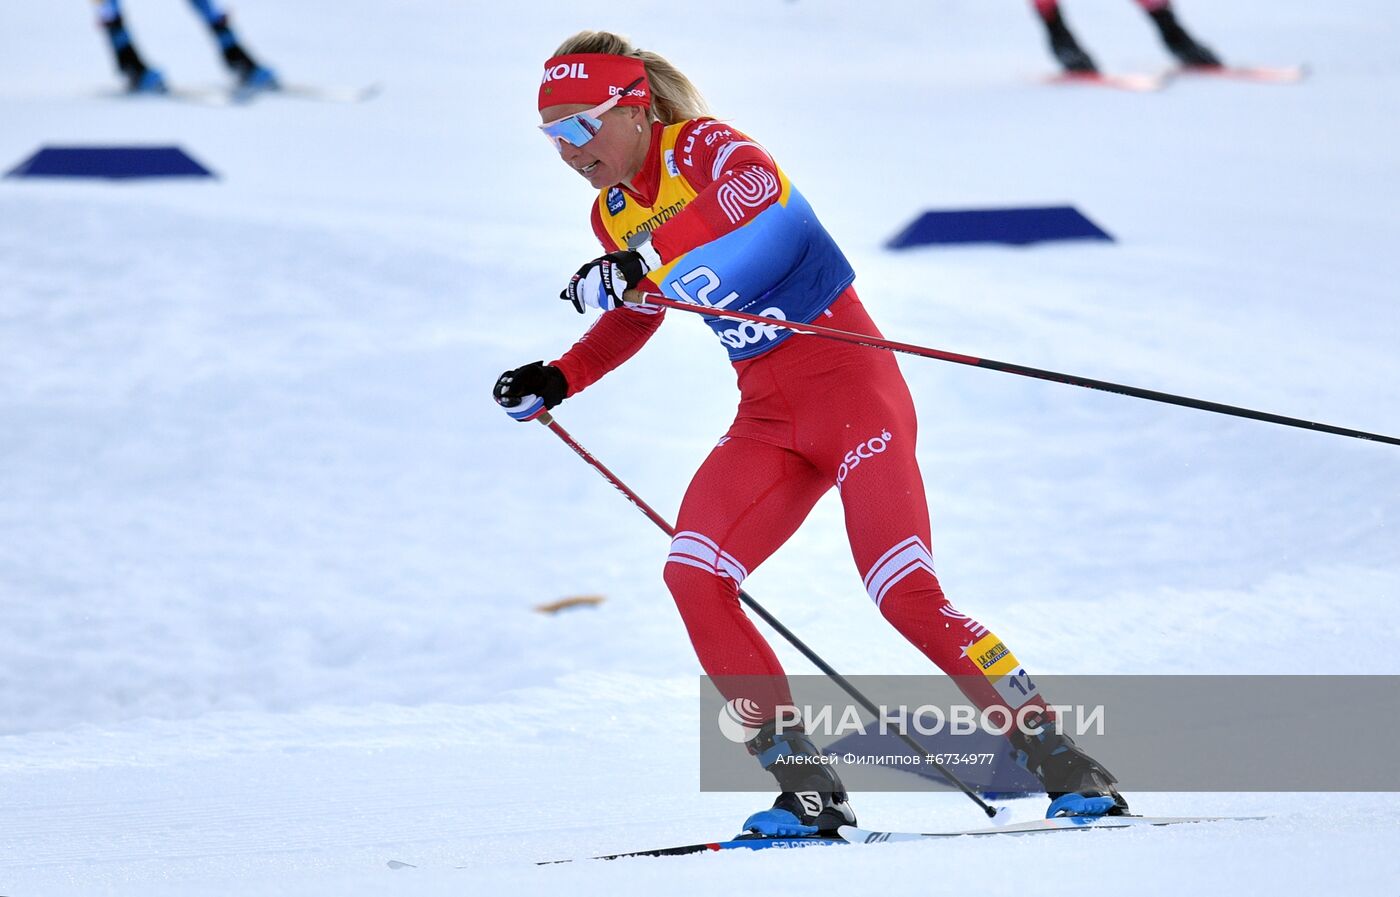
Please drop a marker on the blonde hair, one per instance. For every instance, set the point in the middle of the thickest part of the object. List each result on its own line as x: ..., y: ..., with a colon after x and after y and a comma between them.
x: 673, y: 98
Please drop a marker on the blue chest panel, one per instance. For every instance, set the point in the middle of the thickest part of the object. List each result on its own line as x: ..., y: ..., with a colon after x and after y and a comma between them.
x: 782, y: 265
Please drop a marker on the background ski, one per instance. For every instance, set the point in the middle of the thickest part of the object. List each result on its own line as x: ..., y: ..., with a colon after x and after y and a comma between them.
x: 1289, y: 74
x: 1133, y: 82
x: 199, y: 96
x: 238, y: 96
x: 310, y: 92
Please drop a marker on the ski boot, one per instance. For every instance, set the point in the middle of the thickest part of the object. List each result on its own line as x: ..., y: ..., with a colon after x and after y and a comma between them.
x: 813, y: 800
x: 140, y: 78
x: 1190, y: 52
x: 1066, y: 49
x: 1077, y: 784
x: 251, y: 74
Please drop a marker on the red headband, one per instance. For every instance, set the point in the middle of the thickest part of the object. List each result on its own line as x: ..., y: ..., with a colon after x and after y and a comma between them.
x: 592, y: 78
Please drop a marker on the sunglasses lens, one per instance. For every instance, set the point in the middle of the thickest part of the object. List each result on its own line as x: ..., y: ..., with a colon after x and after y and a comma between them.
x: 576, y: 129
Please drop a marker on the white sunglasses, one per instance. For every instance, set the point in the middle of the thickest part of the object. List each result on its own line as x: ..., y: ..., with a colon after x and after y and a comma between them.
x: 581, y: 127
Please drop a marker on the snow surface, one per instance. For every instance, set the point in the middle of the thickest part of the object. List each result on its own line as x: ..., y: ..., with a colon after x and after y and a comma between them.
x: 268, y: 552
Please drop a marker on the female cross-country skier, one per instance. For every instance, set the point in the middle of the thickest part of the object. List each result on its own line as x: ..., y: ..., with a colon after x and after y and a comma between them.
x: 1188, y: 51
x: 690, y: 206
x: 141, y: 78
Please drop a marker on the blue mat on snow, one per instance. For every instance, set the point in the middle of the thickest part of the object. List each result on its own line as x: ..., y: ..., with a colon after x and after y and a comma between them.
x: 109, y: 162
x: 1016, y: 227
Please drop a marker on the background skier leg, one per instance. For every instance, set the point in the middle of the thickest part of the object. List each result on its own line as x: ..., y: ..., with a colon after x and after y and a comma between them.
x: 140, y: 78
x: 1063, y: 44
x: 250, y: 73
x: 1189, y: 51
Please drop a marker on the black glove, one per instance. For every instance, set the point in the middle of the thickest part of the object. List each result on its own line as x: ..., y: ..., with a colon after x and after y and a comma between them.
x: 527, y: 392
x: 601, y: 282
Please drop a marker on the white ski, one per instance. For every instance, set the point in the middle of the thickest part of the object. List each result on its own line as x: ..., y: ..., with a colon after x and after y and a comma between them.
x: 310, y: 92
x: 1262, y: 74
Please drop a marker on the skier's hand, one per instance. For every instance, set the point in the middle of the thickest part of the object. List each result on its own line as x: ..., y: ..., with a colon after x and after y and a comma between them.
x: 601, y: 282
x: 527, y: 392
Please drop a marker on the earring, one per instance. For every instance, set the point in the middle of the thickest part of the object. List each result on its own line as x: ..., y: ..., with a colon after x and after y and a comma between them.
x: 639, y: 129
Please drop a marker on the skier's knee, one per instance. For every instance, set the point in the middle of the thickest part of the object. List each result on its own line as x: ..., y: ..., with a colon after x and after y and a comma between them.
x: 699, y: 553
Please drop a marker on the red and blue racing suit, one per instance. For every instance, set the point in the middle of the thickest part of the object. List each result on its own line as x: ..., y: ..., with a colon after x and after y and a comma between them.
x: 732, y: 232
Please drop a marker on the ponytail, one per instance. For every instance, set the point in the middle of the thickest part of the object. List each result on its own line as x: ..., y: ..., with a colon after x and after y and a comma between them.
x: 673, y: 97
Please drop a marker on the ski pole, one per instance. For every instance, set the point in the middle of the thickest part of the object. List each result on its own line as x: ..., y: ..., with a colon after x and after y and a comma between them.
x: 548, y: 420
x: 637, y: 297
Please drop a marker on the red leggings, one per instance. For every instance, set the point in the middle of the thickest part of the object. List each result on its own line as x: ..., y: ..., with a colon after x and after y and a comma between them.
x: 814, y: 413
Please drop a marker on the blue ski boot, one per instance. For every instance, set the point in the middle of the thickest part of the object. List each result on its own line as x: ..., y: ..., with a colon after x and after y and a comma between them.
x: 140, y: 78
x: 1077, y: 784
x: 251, y: 74
x: 148, y: 81
x: 260, y: 77
x: 813, y: 800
